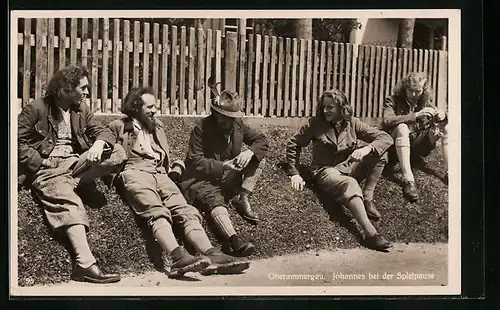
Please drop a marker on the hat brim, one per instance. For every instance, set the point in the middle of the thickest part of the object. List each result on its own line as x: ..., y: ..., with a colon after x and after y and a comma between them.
x: 231, y: 114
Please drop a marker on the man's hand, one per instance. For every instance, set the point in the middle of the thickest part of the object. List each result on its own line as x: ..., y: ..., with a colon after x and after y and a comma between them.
x: 427, y: 111
x: 243, y: 158
x: 95, y: 152
x: 230, y: 165
x: 440, y: 115
x: 297, y: 182
x: 47, y: 163
x: 358, y: 154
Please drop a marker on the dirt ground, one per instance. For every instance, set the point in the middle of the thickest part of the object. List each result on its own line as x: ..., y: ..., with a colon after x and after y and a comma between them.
x: 405, y: 265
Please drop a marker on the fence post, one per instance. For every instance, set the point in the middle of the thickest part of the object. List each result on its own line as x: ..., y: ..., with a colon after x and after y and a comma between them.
x: 442, y: 83
x: 230, y: 56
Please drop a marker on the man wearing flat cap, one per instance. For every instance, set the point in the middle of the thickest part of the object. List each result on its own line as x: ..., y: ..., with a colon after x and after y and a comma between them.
x: 217, y: 168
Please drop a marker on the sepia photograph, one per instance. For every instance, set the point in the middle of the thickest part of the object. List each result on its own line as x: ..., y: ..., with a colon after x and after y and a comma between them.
x: 235, y: 153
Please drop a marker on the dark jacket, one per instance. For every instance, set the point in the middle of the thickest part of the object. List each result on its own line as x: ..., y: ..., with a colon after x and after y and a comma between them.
x: 37, y: 134
x: 397, y: 109
x: 207, y: 145
x: 123, y: 129
x: 330, y: 149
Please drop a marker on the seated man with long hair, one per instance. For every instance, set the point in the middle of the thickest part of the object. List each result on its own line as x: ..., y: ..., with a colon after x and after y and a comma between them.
x: 339, y: 164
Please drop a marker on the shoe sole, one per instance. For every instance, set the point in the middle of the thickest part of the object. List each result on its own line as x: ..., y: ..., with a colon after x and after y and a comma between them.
x: 248, y: 251
x: 196, y: 267
x: 224, y: 269
x: 95, y: 281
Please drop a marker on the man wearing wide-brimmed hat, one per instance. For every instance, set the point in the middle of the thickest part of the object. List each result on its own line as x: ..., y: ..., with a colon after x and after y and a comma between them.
x: 217, y: 168
x: 416, y: 125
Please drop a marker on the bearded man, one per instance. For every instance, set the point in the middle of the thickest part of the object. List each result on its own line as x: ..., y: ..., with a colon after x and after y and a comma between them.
x: 60, y: 146
x: 154, y: 197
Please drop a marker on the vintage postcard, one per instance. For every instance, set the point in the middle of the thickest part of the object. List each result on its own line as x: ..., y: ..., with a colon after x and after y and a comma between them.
x: 235, y: 153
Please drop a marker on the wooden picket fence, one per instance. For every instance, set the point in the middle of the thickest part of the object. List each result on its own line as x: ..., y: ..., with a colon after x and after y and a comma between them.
x: 276, y: 76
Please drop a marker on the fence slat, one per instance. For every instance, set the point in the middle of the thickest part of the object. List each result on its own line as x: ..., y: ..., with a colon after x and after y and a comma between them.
x: 388, y: 81
x: 329, y: 57
x: 95, y: 62
x: 218, y: 55
x: 126, y: 58
x: 40, y: 57
x: 421, y: 60
x: 336, y: 65
x: 288, y: 61
x: 73, y: 42
x: 265, y: 68
x: 116, y: 64
x: 27, y: 61
x: 62, y: 43
x: 366, y: 77
x: 405, y: 61
x: 85, y: 45
x: 182, y: 72
x: 145, y: 55
x: 394, y: 59
x: 322, y: 69
x: 192, y: 62
x: 399, y: 66
x: 294, y: 76
x: 381, y: 95
x: 200, y: 84
x: 376, y: 83
x: 272, y: 78
x: 342, y: 66
x: 135, y: 73
x: 435, y: 72
x: 315, y: 77
x: 442, y: 91
x: 347, y: 77
x: 251, y: 56
x: 359, y: 82
x: 279, y: 92
x: 353, y: 96
x: 156, y: 51
x: 105, y: 64
x: 208, y: 68
x: 242, y: 63
x: 50, y: 48
x: 164, y: 70
x: 173, y: 73
x: 301, y: 77
x: 308, y: 79
x: 426, y: 62
x: 415, y: 60
x: 370, y: 80
x: 256, y: 86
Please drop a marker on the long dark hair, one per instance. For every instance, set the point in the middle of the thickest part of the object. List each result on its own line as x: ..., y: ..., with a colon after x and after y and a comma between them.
x: 132, y: 103
x: 65, y: 79
x: 338, y: 97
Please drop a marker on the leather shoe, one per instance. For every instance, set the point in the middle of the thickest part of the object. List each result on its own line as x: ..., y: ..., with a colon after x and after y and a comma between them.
x: 223, y: 263
x: 93, y: 274
x: 243, y: 207
x: 240, y: 248
x: 371, y: 211
x: 410, y: 191
x: 183, y: 262
x: 377, y: 242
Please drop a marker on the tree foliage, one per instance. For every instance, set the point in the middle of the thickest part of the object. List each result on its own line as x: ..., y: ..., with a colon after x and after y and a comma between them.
x: 337, y: 30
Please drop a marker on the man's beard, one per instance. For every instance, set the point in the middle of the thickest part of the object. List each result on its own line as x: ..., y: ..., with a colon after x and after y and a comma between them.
x: 147, y: 121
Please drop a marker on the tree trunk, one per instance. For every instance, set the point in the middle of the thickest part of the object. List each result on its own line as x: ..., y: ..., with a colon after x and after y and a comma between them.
x: 303, y: 29
x: 405, y: 33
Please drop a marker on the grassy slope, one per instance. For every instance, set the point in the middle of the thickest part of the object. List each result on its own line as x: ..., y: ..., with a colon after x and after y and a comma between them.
x: 291, y: 221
